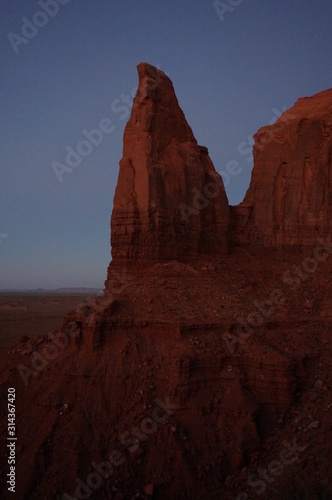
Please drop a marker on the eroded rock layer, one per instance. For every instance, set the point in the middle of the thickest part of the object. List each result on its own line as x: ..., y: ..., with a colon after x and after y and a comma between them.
x: 188, y: 376
x: 289, y: 200
x: 166, y: 383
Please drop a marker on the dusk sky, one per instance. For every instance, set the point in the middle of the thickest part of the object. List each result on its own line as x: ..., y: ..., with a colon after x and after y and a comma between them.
x: 233, y: 71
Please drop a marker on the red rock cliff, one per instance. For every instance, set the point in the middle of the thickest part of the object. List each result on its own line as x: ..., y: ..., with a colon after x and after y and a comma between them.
x: 169, y: 386
x: 289, y: 200
x: 159, y: 213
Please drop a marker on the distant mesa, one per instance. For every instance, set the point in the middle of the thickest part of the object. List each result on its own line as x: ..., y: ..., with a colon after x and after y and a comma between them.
x: 40, y: 291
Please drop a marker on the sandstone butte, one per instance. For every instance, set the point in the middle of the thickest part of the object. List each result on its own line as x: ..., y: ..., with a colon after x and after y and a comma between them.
x: 209, y: 355
x: 162, y: 171
x: 289, y: 200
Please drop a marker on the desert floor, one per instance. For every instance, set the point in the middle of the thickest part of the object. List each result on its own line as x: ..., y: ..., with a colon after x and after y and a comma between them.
x: 26, y: 314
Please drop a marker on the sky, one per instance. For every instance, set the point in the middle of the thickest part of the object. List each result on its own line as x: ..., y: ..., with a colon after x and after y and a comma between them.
x: 67, y: 65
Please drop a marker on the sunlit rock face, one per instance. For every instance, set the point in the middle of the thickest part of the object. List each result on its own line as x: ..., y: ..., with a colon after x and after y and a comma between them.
x: 200, y: 360
x: 289, y: 200
x: 169, y: 203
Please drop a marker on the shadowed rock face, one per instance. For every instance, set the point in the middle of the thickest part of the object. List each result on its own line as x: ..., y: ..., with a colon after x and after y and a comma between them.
x: 289, y: 200
x: 159, y: 212
x: 177, y: 375
x: 170, y: 203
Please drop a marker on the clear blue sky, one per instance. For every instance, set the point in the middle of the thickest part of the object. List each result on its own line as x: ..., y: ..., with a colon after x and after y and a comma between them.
x: 231, y: 77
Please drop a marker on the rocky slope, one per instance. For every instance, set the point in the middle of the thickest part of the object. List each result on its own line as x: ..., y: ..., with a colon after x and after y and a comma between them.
x: 201, y: 360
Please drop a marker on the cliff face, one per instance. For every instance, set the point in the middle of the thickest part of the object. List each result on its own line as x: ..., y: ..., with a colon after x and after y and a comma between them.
x: 159, y: 212
x: 169, y: 384
x: 164, y: 382
x: 289, y: 200
x: 170, y: 203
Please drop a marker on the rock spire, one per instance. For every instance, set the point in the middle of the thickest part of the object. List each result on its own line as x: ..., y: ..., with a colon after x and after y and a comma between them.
x: 169, y: 202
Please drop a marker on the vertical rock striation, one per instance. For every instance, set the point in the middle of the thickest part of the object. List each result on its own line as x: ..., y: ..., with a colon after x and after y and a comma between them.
x: 159, y: 212
x: 289, y: 200
x: 169, y: 385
